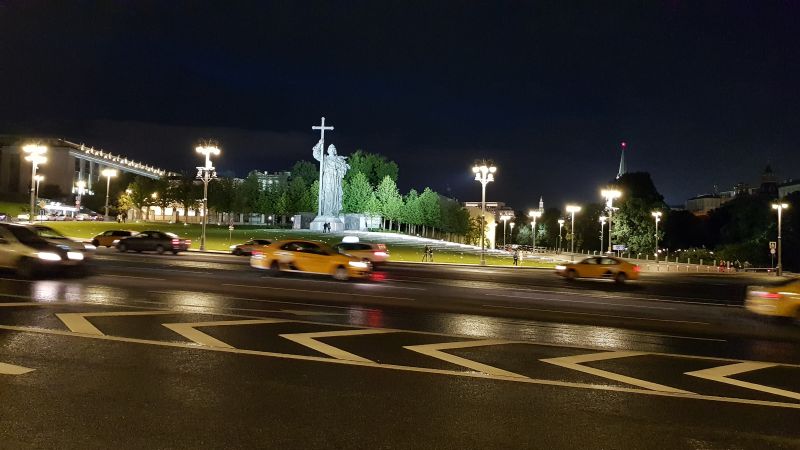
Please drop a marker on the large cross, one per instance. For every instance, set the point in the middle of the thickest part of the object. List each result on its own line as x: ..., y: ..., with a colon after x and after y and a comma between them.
x: 321, y: 129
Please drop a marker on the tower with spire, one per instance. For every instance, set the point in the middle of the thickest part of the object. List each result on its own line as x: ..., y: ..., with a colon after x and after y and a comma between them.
x: 622, y: 168
x: 541, y: 204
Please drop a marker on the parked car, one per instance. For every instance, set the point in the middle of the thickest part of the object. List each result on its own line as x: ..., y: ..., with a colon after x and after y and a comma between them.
x: 608, y: 267
x: 154, y: 241
x: 110, y: 238
x: 308, y: 257
x: 57, y: 238
x: 247, y: 247
x: 22, y: 249
x: 775, y: 300
x: 377, y: 254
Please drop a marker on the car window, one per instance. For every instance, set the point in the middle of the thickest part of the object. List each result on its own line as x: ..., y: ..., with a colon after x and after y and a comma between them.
x: 120, y: 233
x: 344, y: 246
x: 25, y: 235
x: 49, y: 233
x: 143, y: 234
x: 109, y: 233
x: 608, y: 261
x: 589, y: 261
x: 291, y: 246
x: 262, y: 241
x: 308, y: 247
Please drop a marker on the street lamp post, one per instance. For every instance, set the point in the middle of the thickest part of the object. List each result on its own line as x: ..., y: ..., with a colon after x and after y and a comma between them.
x: 35, y: 155
x: 484, y: 174
x: 504, y: 218
x: 511, y: 235
x: 39, y: 179
x: 602, y: 225
x: 657, y: 217
x: 80, y: 189
x: 560, y: 225
x: 572, y: 209
x: 610, y: 195
x: 206, y: 173
x: 780, y: 207
x: 534, y: 214
x: 108, y: 173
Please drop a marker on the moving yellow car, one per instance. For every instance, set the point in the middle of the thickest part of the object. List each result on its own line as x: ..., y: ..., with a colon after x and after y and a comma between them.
x: 308, y: 257
x: 608, y: 267
x: 776, y: 300
x: 109, y: 238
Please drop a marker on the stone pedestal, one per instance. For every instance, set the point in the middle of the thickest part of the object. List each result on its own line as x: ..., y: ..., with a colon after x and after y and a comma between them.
x: 337, y: 224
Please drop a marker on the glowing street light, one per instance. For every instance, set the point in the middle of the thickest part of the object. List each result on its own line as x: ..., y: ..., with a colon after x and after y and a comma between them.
x: 35, y: 155
x: 560, y: 225
x: 484, y: 174
x: 39, y: 179
x: 780, y: 207
x: 206, y: 174
x: 602, y: 224
x: 572, y: 209
x: 505, y: 218
x: 657, y: 217
x: 610, y: 195
x: 108, y: 173
x: 534, y: 214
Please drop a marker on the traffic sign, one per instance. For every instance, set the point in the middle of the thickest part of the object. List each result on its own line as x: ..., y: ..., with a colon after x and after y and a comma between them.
x: 772, y: 250
x: 230, y: 228
x: 619, y: 247
x: 773, y: 245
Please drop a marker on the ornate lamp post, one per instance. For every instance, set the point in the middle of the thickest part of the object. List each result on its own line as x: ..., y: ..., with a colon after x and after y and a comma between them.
x: 484, y: 174
x: 108, y: 173
x: 512, y: 232
x: 610, y: 195
x: 560, y: 226
x: 572, y: 209
x: 80, y: 189
x: 206, y: 173
x: 657, y: 218
x: 534, y: 214
x: 779, y: 207
x: 35, y: 155
x: 505, y: 218
x: 39, y: 179
x: 602, y: 225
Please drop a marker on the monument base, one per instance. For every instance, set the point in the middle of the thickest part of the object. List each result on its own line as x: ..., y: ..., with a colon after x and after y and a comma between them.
x: 336, y: 223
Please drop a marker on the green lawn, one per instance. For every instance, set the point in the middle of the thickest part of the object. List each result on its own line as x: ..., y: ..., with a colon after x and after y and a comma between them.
x: 218, y: 239
x: 13, y: 209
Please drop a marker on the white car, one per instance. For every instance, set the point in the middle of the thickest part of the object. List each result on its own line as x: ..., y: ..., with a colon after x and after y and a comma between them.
x: 23, y: 250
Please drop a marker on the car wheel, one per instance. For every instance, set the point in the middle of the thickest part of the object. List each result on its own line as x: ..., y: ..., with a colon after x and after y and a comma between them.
x: 571, y: 275
x: 122, y: 247
x: 174, y: 252
x: 341, y: 273
x: 274, y: 269
x: 237, y: 251
x: 95, y: 242
x: 160, y: 249
x: 620, y: 278
x: 26, y: 269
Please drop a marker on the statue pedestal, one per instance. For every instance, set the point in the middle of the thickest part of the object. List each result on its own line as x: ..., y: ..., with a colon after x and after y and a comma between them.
x: 337, y: 224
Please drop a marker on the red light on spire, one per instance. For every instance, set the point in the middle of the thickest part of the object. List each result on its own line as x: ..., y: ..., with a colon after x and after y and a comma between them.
x: 624, y: 144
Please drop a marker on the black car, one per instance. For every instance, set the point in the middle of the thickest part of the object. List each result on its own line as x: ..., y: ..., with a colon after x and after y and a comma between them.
x: 154, y: 241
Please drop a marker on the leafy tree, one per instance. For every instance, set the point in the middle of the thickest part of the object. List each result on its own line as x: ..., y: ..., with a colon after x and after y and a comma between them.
x: 306, y: 170
x: 374, y: 166
x: 429, y: 207
x: 411, y: 213
x: 311, y: 198
x: 248, y: 195
x: 357, y: 195
x: 296, y: 195
x: 390, y: 200
x: 187, y: 191
x: 633, y: 223
x: 222, y: 195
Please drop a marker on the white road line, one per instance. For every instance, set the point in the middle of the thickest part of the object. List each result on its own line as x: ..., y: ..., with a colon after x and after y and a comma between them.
x: 137, y: 278
x: 189, y: 331
x: 574, y: 363
x: 77, y: 322
x: 722, y: 373
x: 316, y: 291
x: 11, y: 369
x: 309, y: 340
x: 435, y: 351
x: 579, y: 301
x: 596, y: 314
x: 472, y: 375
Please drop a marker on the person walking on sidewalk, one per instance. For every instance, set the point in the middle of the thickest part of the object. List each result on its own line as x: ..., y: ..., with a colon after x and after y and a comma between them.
x: 516, y: 256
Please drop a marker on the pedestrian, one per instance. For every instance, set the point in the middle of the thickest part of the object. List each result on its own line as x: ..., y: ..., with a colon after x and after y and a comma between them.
x: 430, y: 254
x: 516, y: 256
x: 425, y: 254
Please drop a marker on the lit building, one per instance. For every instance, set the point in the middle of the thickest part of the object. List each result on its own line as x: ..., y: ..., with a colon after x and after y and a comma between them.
x: 787, y: 187
x: 266, y: 179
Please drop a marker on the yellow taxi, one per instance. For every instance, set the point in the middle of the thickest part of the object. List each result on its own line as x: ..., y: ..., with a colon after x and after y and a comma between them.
x: 607, y: 267
x: 109, y: 238
x: 308, y: 257
x: 776, y: 300
x: 377, y: 254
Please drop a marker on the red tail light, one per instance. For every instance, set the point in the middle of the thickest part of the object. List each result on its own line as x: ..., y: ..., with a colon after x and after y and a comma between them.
x: 772, y: 295
x: 256, y: 253
x: 637, y: 269
x: 176, y: 241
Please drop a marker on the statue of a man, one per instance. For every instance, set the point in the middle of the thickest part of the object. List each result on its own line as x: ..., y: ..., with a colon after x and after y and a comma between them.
x: 333, y: 168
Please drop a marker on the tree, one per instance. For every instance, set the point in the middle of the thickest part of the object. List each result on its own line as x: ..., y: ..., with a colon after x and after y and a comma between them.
x: 187, y: 193
x: 632, y: 223
x: 391, y: 203
x: 429, y: 207
x: 222, y: 195
x: 374, y: 166
x: 357, y: 195
x: 296, y: 195
x: 311, y: 198
x: 306, y: 170
x: 248, y: 195
x: 411, y: 213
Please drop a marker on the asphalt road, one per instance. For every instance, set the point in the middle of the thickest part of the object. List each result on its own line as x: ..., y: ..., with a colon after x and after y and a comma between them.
x: 201, y: 351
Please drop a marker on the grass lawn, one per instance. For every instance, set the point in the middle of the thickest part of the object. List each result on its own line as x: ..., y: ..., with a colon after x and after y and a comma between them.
x: 218, y: 239
x: 13, y: 209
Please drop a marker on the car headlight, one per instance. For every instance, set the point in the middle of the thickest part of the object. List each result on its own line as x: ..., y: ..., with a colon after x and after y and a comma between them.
x: 48, y: 256
x: 359, y: 264
x: 89, y: 247
x: 75, y: 256
x: 115, y: 242
x: 561, y: 267
x: 232, y: 247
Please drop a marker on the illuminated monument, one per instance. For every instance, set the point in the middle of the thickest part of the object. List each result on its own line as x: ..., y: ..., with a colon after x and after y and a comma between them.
x: 332, y: 168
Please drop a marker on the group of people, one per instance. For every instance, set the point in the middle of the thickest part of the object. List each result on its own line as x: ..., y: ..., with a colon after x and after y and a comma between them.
x: 326, y: 227
x: 427, y: 255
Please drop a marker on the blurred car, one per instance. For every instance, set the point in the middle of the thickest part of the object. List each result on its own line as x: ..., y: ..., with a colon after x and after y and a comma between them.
x: 22, y: 249
x: 57, y: 238
x: 247, y: 247
x: 3, y: 217
x: 154, y: 241
x: 608, y: 267
x: 109, y: 238
x: 377, y: 254
x: 776, y: 300
x: 308, y: 257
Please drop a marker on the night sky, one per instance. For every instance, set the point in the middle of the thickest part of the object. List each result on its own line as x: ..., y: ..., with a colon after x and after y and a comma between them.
x: 704, y: 92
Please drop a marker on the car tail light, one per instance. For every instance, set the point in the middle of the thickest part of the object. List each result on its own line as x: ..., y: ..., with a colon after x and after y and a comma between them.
x: 381, y: 254
x: 256, y: 253
x: 637, y: 269
x: 771, y: 295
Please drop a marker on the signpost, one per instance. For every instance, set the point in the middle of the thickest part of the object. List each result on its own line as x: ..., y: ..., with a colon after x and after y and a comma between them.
x: 772, y: 246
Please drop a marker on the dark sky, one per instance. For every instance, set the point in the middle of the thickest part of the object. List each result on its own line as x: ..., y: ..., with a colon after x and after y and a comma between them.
x: 704, y: 92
